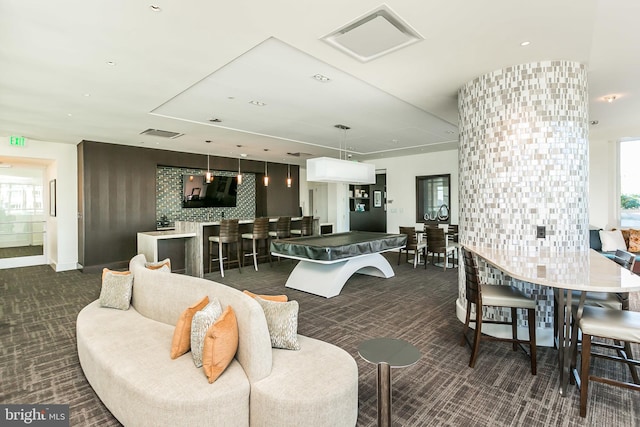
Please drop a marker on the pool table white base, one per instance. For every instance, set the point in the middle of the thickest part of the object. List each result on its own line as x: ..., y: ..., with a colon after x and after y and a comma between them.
x: 327, y: 280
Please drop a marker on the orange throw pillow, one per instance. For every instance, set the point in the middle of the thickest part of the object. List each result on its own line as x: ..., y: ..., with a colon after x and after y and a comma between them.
x: 220, y: 345
x: 164, y: 265
x: 634, y: 240
x: 275, y: 298
x: 181, y: 342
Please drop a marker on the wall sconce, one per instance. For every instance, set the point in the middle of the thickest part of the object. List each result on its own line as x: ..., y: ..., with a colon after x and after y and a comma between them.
x: 288, y: 176
x: 266, y: 176
x: 239, y: 177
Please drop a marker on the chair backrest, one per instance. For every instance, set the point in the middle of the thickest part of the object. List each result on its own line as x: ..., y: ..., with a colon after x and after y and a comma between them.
x: 229, y: 231
x: 411, y: 236
x: 436, y: 240
x: 625, y: 259
x: 260, y: 228
x: 283, y: 227
x: 306, y: 227
x: 472, y: 284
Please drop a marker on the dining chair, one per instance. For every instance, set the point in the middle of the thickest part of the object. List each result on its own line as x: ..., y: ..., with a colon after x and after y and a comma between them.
x: 611, y: 301
x: 482, y: 295
x: 227, y: 236
x: 413, y: 244
x: 616, y: 325
x: 259, y: 233
x: 437, y: 243
x: 617, y: 301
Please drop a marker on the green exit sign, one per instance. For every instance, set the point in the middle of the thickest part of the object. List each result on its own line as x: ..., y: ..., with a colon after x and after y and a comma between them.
x: 18, y: 141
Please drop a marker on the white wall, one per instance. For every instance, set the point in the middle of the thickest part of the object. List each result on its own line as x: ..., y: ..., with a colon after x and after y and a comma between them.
x: 401, y: 184
x: 62, y: 165
x: 401, y: 173
x: 603, y: 184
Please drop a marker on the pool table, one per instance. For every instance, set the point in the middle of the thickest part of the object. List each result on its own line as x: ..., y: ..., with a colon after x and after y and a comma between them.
x: 328, y: 261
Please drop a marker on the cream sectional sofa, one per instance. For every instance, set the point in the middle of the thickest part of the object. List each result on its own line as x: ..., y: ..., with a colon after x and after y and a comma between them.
x: 125, y: 357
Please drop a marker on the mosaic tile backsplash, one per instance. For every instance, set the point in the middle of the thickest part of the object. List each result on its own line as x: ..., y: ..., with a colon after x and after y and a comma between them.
x: 524, y: 162
x: 169, y: 201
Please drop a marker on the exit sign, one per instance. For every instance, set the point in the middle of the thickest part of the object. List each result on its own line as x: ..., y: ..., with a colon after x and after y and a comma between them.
x: 17, y: 141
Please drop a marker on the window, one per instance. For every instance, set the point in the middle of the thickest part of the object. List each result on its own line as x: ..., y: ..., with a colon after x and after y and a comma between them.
x: 433, y: 193
x: 629, y: 184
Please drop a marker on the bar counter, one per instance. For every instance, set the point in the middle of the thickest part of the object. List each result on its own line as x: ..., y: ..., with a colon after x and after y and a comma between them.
x: 197, y: 249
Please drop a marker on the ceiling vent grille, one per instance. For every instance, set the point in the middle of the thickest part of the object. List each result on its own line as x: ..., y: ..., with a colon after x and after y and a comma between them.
x: 299, y: 154
x: 373, y: 35
x: 161, y: 133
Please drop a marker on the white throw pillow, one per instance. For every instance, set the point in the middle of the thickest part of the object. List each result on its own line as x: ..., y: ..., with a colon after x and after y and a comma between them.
x: 612, y: 241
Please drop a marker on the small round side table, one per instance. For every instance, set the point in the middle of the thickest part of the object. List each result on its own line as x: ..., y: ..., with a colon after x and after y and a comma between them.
x: 387, y: 353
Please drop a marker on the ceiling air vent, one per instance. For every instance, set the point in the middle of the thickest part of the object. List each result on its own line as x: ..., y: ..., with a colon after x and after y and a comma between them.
x: 161, y: 133
x: 299, y: 154
x: 377, y: 33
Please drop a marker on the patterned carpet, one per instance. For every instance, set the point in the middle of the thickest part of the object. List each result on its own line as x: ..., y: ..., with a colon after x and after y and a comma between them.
x: 39, y: 364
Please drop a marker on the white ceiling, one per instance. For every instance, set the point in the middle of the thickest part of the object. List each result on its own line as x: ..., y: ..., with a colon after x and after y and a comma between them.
x: 197, y: 60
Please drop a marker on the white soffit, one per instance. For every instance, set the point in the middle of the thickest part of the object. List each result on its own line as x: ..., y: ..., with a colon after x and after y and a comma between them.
x: 377, y: 33
x: 295, y: 106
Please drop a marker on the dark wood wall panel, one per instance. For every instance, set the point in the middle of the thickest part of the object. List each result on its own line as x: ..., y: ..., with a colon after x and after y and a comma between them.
x: 117, y: 196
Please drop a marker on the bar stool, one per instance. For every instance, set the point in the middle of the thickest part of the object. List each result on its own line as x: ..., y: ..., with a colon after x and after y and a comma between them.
x: 283, y: 228
x: 306, y: 227
x: 228, y: 235
x: 260, y: 232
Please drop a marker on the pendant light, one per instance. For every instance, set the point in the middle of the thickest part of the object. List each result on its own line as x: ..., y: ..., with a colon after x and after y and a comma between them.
x: 288, y: 176
x: 266, y: 176
x: 208, y: 176
x: 239, y: 177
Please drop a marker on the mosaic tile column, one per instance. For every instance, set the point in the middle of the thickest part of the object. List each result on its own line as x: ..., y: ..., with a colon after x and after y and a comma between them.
x: 524, y: 162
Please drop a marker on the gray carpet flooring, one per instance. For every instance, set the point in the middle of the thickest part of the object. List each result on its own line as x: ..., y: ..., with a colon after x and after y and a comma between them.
x: 39, y: 364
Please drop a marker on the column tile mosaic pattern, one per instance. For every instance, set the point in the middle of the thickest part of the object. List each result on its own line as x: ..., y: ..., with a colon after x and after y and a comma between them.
x: 524, y: 162
x: 169, y: 200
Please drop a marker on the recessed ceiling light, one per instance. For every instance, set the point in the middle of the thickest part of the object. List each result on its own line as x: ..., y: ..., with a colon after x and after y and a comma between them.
x: 155, y: 8
x: 112, y: 63
x: 208, y: 141
x: 321, y: 78
x: 594, y: 122
x: 525, y: 43
x: 239, y: 145
x: 395, y: 141
x: 87, y: 95
x: 215, y: 120
x: 69, y: 114
x: 265, y: 149
x: 450, y: 132
x: 610, y: 99
x: 243, y: 155
x: 257, y: 103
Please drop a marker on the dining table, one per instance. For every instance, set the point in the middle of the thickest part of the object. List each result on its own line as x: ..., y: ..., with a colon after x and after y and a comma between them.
x: 565, y: 272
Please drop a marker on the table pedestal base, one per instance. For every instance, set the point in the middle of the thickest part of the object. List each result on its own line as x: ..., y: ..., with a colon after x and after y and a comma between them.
x: 384, y: 395
x: 327, y: 280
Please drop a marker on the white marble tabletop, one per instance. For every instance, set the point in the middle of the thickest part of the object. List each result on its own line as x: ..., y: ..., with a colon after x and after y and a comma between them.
x: 582, y: 271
